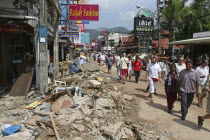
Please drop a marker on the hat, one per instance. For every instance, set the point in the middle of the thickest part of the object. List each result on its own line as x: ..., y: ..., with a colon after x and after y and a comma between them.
x: 28, y: 54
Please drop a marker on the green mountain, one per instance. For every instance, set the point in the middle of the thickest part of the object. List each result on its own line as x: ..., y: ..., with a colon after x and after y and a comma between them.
x: 95, y: 33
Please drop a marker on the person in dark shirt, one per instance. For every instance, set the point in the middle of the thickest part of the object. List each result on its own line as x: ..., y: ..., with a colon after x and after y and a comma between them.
x: 171, y: 86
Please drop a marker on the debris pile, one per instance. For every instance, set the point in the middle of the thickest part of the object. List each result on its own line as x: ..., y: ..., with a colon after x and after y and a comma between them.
x: 80, y: 106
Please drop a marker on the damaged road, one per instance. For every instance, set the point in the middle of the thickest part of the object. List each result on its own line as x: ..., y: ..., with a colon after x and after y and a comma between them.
x: 80, y: 106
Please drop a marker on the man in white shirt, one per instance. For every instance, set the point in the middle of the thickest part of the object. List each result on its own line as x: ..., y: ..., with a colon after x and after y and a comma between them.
x: 153, y: 75
x: 203, y: 72
x: 179, y: 67
x: 118, y: 66
x: 102, y: 58
x: 124, y: 66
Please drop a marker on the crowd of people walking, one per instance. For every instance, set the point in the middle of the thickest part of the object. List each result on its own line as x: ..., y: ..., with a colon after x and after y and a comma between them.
x: 181, y: 80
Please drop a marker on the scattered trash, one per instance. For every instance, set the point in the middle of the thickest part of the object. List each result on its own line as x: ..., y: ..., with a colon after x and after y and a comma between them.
x: 33, y: 105
x: 10, y: 130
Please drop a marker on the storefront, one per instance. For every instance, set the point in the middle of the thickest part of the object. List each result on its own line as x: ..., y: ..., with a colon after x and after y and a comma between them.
x: 15, y: 41
x: 199, y: 48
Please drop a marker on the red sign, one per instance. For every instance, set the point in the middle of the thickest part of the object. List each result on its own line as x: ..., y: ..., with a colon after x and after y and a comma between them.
x: 9, y: 28
x: 83, y: 12
x: 81, y: 28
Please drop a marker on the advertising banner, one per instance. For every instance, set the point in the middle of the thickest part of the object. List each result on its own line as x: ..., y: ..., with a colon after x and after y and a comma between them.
x: 83, y: 12
x: 73, y: 29
x: 9, y: 29
x: 143, y: 25
x: 77, y: 40
x: 85, y: 37
x: 69, y: 34
x: 80, y: 22
x: 81, y: 27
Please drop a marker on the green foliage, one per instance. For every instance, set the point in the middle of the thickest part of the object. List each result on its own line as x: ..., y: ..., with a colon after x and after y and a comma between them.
x: 185, y: 20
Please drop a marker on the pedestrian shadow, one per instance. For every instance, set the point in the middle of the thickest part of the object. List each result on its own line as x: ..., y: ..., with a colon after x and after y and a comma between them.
x: 163, y: 108
x: 161, y: 95
x: 190, y: 124
x: 141, y: 90
x: 141, y: 96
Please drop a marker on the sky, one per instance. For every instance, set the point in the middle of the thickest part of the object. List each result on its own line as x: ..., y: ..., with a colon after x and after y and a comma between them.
x: 119, y: 13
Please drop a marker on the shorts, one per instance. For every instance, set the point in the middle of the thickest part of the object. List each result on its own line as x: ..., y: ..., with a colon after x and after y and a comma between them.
x: 208, y: 105
x: 124, y: 72
x: 109, y: 67
x: 152, y: 86
x: 129, y: 73
x: 201, y: 90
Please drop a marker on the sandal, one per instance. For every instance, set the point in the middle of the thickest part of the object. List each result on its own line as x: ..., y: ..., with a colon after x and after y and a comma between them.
x: 200, y: 121
x: 151, y: 101
x: 148, y: 97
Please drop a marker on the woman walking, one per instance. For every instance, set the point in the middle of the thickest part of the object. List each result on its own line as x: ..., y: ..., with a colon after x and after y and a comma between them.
x: 137, y: 65
x: 171, y: 87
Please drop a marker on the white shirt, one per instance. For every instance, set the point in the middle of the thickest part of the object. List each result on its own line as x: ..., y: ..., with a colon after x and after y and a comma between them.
x: 118, y: 60
x: 201, y: 72
x: 102, y: 57
x: 179, y: 67
x: 153, y: 70
x: 123, y: 62
x: 130, y: 65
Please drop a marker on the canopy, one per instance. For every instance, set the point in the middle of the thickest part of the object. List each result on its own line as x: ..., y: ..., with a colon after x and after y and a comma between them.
x: 205, y: 40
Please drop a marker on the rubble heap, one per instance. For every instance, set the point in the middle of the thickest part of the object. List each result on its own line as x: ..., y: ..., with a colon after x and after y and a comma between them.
x: 81, y: 106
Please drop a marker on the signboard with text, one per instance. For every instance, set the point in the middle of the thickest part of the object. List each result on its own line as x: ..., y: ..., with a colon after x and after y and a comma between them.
x: 72, y: 28
x: 81, y: 28
x: 69, y: 34
x: 83, y: 12
x: 143, y: 25
x: 80, y: 22
x: 85, y: 37
x: 9, y: 29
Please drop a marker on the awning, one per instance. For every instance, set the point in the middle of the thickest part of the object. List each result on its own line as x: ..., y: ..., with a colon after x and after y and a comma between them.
x: 205, y: 40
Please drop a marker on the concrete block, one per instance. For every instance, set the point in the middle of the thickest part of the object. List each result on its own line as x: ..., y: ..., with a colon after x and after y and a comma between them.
x: 62, y: 102
x: 112, y: 129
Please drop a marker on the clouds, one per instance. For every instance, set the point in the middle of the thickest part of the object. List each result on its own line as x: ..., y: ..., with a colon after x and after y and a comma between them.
x: 114, y: 13
x: 104, y: 4
x: 127, y: 16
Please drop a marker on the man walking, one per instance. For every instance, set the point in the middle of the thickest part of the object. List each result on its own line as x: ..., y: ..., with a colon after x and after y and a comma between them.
x: 124, y: 66
x: 203, y: 72
x: 153, y: 75
x: 118, y: 66
x: 207, y: 116
x: 189, y: 82
x: 109, y: 62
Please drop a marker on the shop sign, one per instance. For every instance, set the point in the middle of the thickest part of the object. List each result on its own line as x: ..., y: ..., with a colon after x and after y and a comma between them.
x: 85, y: 37
x: 9, y: 28
x: 80, y: 22
x: 69, y: 34
x: 83, y: 12
x: 143, y: 25
x: 72, y: 29
x: 81, y: 28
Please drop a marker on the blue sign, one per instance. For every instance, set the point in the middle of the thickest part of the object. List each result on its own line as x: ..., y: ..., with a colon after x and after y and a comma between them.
x: 81, y: 22
x: 85, y: 37
x: 69, y: 34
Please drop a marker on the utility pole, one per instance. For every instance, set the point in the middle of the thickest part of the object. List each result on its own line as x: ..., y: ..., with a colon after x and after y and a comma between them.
x: 43, y: 66
x: 158, y: 14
